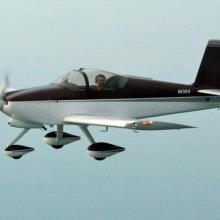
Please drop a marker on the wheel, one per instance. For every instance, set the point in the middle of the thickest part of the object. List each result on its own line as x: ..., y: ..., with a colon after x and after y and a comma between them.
x: 57, y: 146
x: 16, y: 158
x: 99, y: 158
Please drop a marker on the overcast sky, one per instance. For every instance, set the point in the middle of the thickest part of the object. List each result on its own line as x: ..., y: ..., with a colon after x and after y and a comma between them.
x: 161, y: 175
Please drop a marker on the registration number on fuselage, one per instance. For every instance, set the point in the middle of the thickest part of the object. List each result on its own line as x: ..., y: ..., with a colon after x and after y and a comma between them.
x: 183, y: 91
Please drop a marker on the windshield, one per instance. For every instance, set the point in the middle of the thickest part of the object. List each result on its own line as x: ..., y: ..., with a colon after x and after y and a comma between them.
x: 92, y: 79
x: 73, y: 80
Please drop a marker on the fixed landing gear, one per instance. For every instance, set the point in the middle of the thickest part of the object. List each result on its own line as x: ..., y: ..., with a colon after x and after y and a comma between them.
x: 17, y: 151
x: 57, y: 139
x: 100, y: 150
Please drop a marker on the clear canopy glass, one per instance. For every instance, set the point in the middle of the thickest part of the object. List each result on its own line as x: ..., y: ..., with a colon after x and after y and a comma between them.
x: 84, y: 79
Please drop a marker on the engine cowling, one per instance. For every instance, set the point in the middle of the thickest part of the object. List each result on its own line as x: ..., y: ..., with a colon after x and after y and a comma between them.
x: 101, y: 150
x: 51, y: 139
x: 17, y: 151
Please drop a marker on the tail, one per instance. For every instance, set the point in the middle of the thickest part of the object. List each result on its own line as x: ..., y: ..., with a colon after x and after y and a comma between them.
x: 209, y: 70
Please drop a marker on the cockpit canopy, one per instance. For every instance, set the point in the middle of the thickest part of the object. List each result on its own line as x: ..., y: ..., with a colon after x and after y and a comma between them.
x: 87, y: 79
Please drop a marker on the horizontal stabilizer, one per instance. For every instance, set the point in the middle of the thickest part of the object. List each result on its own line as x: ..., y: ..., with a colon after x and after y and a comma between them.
x: 210, y: 91
x: 136, y: 124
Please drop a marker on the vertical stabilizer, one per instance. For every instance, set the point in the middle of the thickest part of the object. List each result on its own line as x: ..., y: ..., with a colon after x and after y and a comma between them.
x: 209, y: 70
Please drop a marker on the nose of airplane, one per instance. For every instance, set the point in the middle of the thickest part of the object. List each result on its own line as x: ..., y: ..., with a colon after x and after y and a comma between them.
x: 32, y: 94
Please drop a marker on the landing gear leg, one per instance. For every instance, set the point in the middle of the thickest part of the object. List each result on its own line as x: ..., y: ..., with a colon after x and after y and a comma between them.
x: 59, y: 137
x: 59, y: 133
x: 23, y: 132
x: 86, y: 131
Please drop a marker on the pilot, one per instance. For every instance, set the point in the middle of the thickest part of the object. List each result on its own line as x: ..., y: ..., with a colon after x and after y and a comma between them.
x: 100, y: 81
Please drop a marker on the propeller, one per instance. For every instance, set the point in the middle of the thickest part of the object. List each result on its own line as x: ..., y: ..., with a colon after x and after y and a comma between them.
x: 3, y: 88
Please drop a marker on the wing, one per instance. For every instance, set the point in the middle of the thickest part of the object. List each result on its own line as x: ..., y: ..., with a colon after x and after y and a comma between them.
x: 137, y: 124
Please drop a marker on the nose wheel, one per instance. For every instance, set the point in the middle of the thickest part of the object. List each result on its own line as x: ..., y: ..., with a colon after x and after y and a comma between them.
x: 17, y: 151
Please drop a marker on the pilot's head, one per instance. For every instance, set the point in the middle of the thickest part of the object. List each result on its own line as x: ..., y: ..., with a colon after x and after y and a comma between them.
x: 100, y: 81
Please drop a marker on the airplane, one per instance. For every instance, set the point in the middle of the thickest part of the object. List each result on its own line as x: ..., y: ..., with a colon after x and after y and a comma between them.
x: 91, y: 97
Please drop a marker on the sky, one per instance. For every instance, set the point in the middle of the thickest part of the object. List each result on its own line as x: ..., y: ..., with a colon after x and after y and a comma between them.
x: 162, y: 174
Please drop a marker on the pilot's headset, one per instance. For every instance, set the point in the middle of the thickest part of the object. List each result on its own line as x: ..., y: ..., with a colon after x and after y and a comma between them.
x: 99, y: 75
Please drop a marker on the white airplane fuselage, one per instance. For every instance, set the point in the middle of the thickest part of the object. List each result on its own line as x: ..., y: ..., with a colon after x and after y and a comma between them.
x: 52, y: 112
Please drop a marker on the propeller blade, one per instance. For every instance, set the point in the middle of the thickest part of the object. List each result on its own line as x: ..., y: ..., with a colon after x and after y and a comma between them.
x: 4, y: 85
x: 3, y: 88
